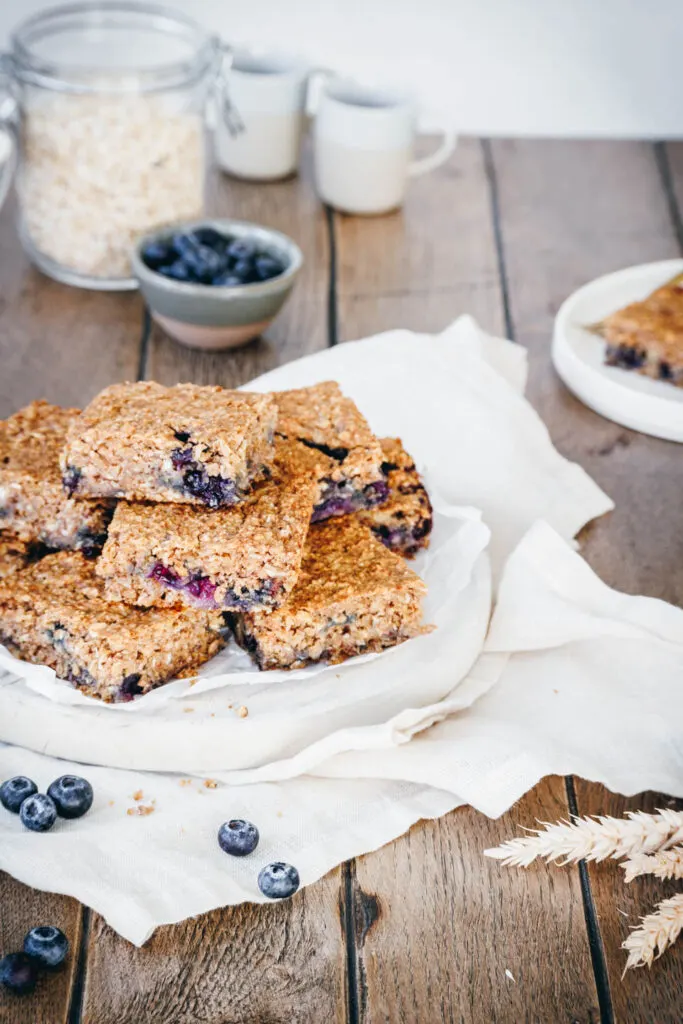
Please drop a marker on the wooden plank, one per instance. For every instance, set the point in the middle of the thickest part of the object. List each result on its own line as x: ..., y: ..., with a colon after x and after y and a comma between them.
x: 569, y: 212
x: 283, y: 964
x: 23, y: 909
x: 439, y: 925
x: 57, y: 342
x: 289, y: 206
x: 447, y: 924
x: 642, y: 996
x: 61, y: 344
x: 423, y: 266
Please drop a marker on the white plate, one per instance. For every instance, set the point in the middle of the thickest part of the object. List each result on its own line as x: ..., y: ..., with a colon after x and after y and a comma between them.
x: 628, y: 398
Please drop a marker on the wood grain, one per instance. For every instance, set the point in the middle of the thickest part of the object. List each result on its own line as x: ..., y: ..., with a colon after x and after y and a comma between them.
x: 423, y: 266
x: 448, y: 923
x: 643, y: 996
x: 279, y: 964
x: 59, y: 343
x: 571, y: 211
x: 271, y: 964
x: 290, y: 206
x: 21, y: 909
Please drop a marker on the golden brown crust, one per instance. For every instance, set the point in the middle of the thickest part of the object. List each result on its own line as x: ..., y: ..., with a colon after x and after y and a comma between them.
x: 653, y: 330
x: 250, y: 552
x: 352, y: 596
x: 322, y: 416
x: 33, y: 504
x: 123, y: 443
x: 14, y: 554
x: 403, y: 523
x: 54, y: 613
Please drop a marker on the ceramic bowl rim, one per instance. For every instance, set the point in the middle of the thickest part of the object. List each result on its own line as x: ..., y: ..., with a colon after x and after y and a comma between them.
x: 242, y: 228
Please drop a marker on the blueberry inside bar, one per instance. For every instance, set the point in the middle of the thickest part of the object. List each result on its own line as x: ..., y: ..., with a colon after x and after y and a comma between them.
x: 240, y: 558
x: 189, y: 444
x: 323, y: 419
x: 54, y: 613
x: 33, y: 505
x: 353, y: 596
x: 647, y: 336
x: 404, y: 522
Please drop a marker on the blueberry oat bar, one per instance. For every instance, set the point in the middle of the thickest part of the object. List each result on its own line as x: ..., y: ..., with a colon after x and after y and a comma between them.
x: 647, y: 336
x: 241, y: 557
x: 404, y: 522
x: 323, y: 419
x: 54, y: 613
x: 352, y: 596
x: 14, y: 554
x: 33, y: 505
x: 146, y: 442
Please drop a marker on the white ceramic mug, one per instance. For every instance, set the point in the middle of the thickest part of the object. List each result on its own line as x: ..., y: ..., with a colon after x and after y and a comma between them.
x: 363, y: 147
x: 260, y: 117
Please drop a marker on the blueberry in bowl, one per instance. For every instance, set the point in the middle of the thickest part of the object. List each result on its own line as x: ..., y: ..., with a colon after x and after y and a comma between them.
x: 215, y: 283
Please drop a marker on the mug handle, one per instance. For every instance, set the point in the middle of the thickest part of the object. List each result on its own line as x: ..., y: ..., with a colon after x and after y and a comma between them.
x: 8, y: 129
x: 434, y: 160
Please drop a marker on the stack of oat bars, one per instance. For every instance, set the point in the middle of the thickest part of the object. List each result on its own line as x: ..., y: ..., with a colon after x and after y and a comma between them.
x: 138, y: 535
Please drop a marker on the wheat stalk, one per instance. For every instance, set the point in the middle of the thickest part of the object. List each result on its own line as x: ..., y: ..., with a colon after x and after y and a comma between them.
x: 663, y: 864
x: 593, y: 838
x: 657, y: 932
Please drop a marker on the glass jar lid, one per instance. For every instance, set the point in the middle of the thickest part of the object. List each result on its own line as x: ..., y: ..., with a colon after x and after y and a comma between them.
x: 112, y: 47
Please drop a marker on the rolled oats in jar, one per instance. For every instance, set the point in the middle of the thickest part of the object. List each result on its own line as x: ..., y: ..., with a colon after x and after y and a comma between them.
x: 108, y: 152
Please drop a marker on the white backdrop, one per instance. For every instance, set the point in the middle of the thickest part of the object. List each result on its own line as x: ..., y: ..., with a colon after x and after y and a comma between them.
x: 494, y: 67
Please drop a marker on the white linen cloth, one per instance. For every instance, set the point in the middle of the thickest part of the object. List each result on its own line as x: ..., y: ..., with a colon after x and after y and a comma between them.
x: 560, y: 641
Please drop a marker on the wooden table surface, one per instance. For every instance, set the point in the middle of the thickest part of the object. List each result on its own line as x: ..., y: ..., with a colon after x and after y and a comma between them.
x: 425, y: 929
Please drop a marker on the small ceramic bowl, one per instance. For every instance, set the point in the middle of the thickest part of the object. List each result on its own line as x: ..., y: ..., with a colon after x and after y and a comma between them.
x: 214, y: 316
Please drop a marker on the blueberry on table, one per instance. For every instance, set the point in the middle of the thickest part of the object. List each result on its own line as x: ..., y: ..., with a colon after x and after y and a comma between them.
x: 72, y: 796
x: 238, y: 837
x: 38, y: 813
x: 156, y: 254
x: 241, y: 249
x: 49, y: 945
x: 19, y: 973
x: 14, y: 791
x: 266, y: 267
x: 278, y: 881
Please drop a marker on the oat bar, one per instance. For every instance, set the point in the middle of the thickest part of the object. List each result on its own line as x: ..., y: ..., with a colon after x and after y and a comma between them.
x: 146, y: 442
x: 14, y: 554
x: 323, y: 419
x: 33, y: 505
x: 241, y: 557
x: 647, y: 336
x: 54, y: 613
x: 404, y: 522
x: 352, y: 596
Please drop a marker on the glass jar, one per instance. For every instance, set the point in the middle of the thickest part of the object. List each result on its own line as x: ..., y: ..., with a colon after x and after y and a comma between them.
x: 106, y: 104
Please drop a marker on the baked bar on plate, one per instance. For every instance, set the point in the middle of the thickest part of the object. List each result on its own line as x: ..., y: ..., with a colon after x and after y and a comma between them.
x: 54, y: 613
x: 144, y: 442
x: 33, y: 505
x: 647, y: 336
x: 14, y: 554
x: 241, y: 557
x: 352, y: 597
x: 322, y: 418
x: 404, y: 522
